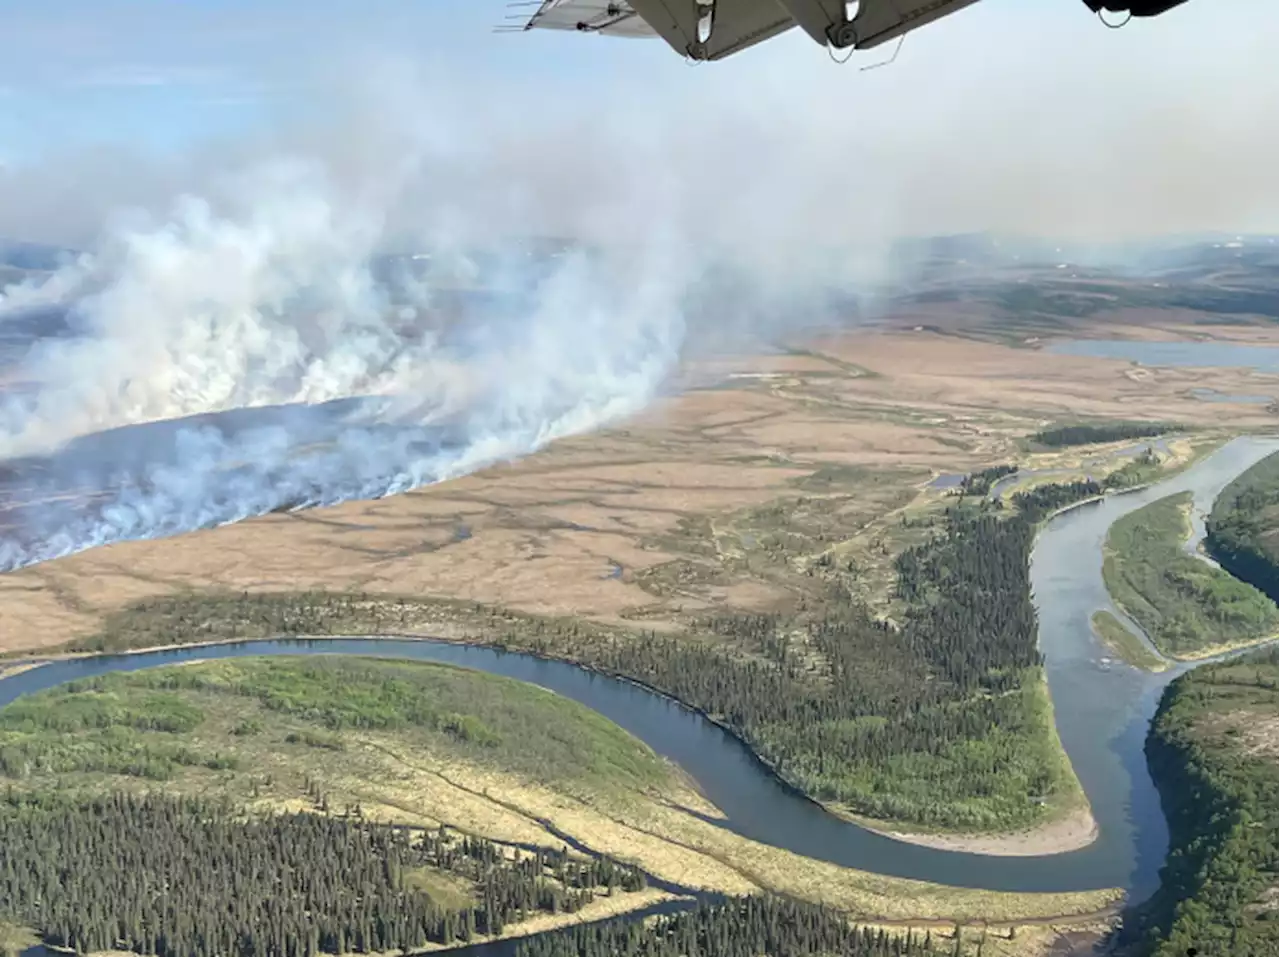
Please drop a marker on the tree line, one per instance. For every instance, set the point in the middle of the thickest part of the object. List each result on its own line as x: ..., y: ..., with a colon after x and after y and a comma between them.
x: 831, y: 696
x: 979, y: 483
x: 1221, y: 803
x: 1038, y: 503
x: 1240, y: 532
x: 830, y: 713
x: 1067, y: 435
x: 739, y: 927
x: 183, y: 877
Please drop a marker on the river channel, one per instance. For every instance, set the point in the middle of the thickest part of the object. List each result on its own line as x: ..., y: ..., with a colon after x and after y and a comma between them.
x: 1102, y: 711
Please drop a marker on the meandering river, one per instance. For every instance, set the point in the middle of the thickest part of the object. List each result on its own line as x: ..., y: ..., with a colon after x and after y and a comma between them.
x: 1102, y: 712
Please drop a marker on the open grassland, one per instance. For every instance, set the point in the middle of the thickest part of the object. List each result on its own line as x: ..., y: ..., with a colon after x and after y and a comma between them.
x: 1235, y: 303
x: 731, y: 521
x: 233, y: 712
x: 425, y: 746
x: 656, y: 521
x: 1212, y: 752
x: 1187, y: 606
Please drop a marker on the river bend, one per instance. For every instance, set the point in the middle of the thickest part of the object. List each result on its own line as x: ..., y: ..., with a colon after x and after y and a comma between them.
x: 1102, y: 711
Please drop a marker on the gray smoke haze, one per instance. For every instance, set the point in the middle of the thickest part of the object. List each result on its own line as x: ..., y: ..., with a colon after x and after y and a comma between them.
x: 239, y: 277
x: 1004, y: 117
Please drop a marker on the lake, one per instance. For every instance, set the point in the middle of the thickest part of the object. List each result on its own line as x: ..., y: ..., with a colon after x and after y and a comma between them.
x: 1198, y: 354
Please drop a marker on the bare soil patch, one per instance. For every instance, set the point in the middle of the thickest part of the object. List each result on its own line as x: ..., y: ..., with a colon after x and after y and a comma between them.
x: 1252, y: 733
x: 1068, y: 833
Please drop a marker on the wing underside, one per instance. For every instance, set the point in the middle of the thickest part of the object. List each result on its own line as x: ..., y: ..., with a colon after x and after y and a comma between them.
x: 712, y: 31
x: 590, y: 16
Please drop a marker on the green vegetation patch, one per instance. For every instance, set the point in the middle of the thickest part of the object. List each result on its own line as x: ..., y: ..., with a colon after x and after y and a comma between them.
x: 743, y: 925
x: 1243, y: 527
x: 224, y: 715
x: 88, y: 712
x: 1041, y: 502
x: 101, y: 731
x: 1147, y: 467
x: 1183, y: 603
x: 214, y: 615
x: 1128, y: 646
x: 847, y: 707
x: 932, y: 719
x: 1212, y: 753
x: 1063, y: 436
x: 1025, y: 300
x: 985, y: 782
x: 980, y: 483
x: 153, y: 874
x: 936, y: 722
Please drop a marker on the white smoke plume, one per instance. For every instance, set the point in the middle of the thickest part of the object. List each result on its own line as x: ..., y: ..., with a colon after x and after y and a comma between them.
x: 585, y: 350
x: 266, y: 300
x: 237, y: 351
x: 237, y: 286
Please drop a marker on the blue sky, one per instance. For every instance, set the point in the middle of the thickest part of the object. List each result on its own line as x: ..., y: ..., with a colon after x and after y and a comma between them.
x: 165, y: 72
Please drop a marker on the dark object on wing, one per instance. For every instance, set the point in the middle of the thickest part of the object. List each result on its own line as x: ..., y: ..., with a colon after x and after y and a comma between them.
x: 1135, y: 8
x: 715, y: 29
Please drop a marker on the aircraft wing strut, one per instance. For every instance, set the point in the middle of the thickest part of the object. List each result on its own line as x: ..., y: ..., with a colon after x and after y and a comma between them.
x: 715, y: 29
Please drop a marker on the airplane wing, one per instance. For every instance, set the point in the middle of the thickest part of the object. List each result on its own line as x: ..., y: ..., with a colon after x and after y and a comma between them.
x: 590, y: 16
x: 715, y: 29
x: 880, y: 20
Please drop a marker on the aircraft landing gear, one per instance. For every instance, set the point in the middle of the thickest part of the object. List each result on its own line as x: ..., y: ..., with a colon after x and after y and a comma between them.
x: 842, y: 35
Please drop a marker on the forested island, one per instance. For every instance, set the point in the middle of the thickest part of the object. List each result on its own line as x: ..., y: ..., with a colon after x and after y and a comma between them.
x: 1241, y: 531
x: 1212, y: 752
x: 1184, y: 604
